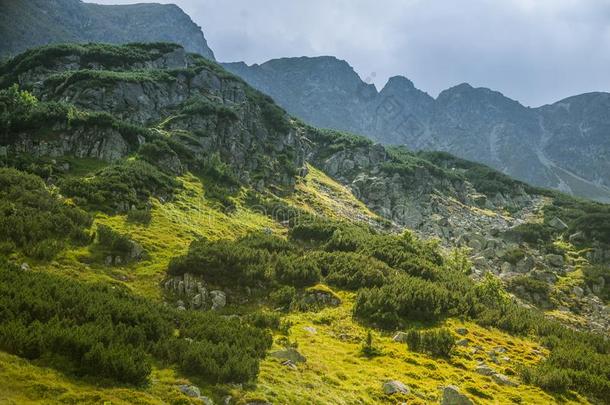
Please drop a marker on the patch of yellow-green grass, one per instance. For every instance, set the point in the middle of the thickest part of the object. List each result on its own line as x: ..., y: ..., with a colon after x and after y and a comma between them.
x: 336, y: 373
x: 318, y: 193
x: 174, y: 225
x: 24, y: 382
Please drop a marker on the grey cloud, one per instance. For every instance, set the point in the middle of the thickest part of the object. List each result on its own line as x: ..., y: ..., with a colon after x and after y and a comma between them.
x: 536, y: 51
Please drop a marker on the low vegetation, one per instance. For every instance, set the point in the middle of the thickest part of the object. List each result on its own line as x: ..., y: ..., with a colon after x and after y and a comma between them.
x: 103, y: 331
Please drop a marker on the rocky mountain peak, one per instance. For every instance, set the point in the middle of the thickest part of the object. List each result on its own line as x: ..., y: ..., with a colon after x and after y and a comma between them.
x: 62, y: 21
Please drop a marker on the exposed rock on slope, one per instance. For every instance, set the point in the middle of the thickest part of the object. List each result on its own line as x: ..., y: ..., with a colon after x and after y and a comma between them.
x: 26, y: 24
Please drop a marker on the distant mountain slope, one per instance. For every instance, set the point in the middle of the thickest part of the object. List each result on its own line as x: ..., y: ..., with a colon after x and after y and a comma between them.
x: 25, y: 24
x: 563, y: 146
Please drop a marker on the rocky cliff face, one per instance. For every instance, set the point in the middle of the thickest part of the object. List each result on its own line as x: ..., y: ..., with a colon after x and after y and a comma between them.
x: 211, y: 113
x: 39, y: 22
x: 559, y: 146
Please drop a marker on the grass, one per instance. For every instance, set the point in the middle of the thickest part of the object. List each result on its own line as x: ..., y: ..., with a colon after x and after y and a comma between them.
x: 33, y: 384
x: 336, y: 373
x: 174, y: 225
x: 318, y: 193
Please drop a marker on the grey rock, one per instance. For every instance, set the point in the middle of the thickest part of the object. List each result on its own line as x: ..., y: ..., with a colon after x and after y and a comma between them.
x: 484, y: 370
x: 395, y: 387
x: 558, y: 224
x: 190, y: 390
x: 554, y: 260
x: 25, y: 267
x: 578, y: 291
x: 501, y: 379
x: 289, y: 354
x: 219, y: 299
x: 400, y: 337
x: 206, y: 400
x: 462, y: 342
x: 453, y: 396
x: 461, y: 331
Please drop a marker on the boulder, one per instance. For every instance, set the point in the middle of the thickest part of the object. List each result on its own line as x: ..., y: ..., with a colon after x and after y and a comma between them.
x: 190, y: 390
x: 461, y: 331
x: 206, y: 400
x: 484, y: 369
x: 578, y: 291
x: 501, y: 379
x: 525, y: 265
x: 395, y: 387
x: 400, y: 337
x: 558, y: 224
x: 289, y: 354
x: 462, y: 342
x: 219, y: 299
x: 453, y: 396
x: 554, y: 260
x: 577, y: 237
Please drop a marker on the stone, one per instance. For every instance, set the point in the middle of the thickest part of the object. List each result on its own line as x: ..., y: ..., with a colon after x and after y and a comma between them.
x: 136, y: 251
x: 461, y: 331
x: 219, y: 299
x: 462, y: 342
x: 395, y: 387
x: 190, y: 391
x: 290, y: 364
x: 577, y: 237
x: 206, y: 400
x: 310, y: 329
x: 196, y: 301
x: 289, y: 354
x: 108, y: 261
x: 506, y: 267
x: 578, y: 291
x: 453, y: 396
x: 484, y: 370
x: 25, y: 267
x: 558, y: 224
x: 554, y: 260
x: 501, y: 379
x: 400, y: 337
x: 525, y: 265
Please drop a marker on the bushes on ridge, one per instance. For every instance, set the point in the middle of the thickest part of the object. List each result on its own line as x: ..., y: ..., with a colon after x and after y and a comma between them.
x: 103, y: 331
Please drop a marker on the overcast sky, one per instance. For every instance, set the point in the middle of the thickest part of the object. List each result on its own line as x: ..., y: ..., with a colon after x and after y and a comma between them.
x: 535, y: 51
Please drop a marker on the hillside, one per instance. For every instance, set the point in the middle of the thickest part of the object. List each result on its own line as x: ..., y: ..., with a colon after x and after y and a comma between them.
x: 561, y: 146
x: 27, y: 24
x: 168, y: 234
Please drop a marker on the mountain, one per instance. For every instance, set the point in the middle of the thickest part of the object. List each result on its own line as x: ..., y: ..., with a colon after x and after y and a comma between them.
x: 26, y: 24
x: 168, y: 234
x: 561, y: 146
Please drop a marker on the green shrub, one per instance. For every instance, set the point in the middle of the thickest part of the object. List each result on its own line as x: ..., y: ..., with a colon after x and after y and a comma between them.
x: 436, y: 342
x: 35, y: 220
x: 368, y: 349
x: 297, y: 271
x: 404, y: 298
x: 121, y: 186
x: 532, y: 232
x: 139, y: 216
x: 513, y: 256
x: 351, y: 271
x: 104, y: 331
x: 284, y: 296
x: 223, y: 263
x: 264, y: 320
